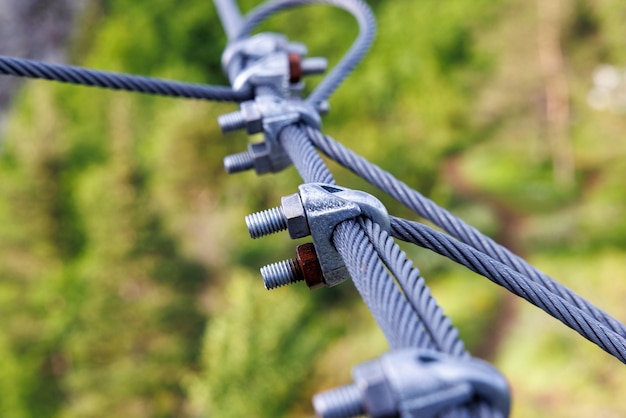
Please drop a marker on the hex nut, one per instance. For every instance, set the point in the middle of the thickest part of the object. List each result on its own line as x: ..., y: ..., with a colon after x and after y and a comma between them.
x: 261, y: 157
x: 297, y: 223
x: 252, y: 116
x: 377, y: 397
x: 295, y: 68
x: 310, y: 266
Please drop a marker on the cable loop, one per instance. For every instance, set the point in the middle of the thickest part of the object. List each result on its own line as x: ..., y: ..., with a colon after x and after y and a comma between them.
x: 367, y: 31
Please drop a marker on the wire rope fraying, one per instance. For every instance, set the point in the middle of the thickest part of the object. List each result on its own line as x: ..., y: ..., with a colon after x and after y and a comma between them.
x: 316, y: 210
x: 414, y: 383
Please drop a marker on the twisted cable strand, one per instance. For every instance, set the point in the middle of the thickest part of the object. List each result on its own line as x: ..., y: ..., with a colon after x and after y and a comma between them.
x: 303, y: 155
x: 393, y: 304
x: 387, y: 304
x: 367, y: 31
x: 379, y: 300
x: 437, y: 326
x: 455, y: 226
x: 577, y: 319
x: 20, y: 67
x: 390, y: 308
x: 377, y: 288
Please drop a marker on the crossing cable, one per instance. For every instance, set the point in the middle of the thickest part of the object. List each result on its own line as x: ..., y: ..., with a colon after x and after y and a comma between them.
x: 400, y: 318
x: 438, y: 327
x: 303, y: 155
x: 367, y: 31
x: 386, y: 302
x: 572, y: 316
x: 377, y: 288
x: 456, y: 227
x: 383, y: 297
x: 21, y: 67
x: 371, y: 279
x: 313, y: 169
x: 118, y: 81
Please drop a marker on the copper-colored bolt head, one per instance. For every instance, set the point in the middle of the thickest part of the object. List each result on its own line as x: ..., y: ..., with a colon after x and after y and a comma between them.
x: 295, y: 68
x: 310, y: 265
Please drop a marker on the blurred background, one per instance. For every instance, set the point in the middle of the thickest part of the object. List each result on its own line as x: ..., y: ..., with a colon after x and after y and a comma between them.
x: 130, y: 288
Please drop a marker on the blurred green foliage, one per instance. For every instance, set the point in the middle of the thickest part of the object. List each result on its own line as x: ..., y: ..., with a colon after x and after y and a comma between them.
x: 129, y: 287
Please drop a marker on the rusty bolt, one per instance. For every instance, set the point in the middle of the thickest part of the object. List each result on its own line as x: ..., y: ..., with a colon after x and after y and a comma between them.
x: 305, y: 267
x: 295, y: 68
x: 299, y: 67
x: 310, y: 266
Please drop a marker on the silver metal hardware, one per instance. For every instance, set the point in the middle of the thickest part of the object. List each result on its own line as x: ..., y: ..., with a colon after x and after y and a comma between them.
x: 270, y: 114
x: 272, y: 70
x: 414, y: 383
x: 316, y: 210
x: 305, y: 267
x: 248, y: 117
x: 270, y: 61
x: 266, y: 222
x: 326, y: 206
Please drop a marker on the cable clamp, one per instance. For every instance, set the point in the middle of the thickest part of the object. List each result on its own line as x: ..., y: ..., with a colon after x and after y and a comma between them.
x: 316, y: 211
x: 326, y: 207
x: 414, y: 383
x: 270, y: 115
x: 269, y: 59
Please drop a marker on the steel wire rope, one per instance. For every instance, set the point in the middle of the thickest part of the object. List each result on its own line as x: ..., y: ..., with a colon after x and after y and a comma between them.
x: 437, y: 326
x: 456, y: 227
x: 392, y: 309
x: 363, y: 261
x: 20, y: 67
x: 313, y: 170
x: 230, y: 16
x: 96, y: 78
x: 579, y: 320
x: 388, y: 305
x: 303, y: 155
x: 367, y: 31
x: 384, y: 301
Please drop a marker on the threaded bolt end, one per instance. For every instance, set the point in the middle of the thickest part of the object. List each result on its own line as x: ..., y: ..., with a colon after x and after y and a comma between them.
x: 267, y: 222
x: 281, y: 274
x: 342, y: 402
x: 239, y: 162
x: 323, y: 107
x: 314, y: 65
x: 230, y: 122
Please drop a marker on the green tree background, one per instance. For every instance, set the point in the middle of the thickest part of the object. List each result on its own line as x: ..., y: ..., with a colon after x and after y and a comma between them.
x: 129, y: 287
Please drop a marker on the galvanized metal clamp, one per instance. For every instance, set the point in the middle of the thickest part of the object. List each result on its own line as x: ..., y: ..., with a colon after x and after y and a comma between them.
x: 414, y: 383
x: 316, y: 210
x: 268, y: 60
x: 267, y: 114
